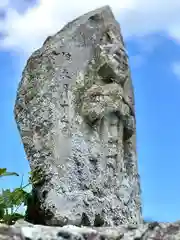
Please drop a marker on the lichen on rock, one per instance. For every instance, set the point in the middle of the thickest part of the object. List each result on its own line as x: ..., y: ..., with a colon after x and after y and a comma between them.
x: 75, y: 114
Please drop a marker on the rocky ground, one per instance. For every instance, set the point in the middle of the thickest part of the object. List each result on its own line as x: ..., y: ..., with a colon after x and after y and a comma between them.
x: 148, y: 231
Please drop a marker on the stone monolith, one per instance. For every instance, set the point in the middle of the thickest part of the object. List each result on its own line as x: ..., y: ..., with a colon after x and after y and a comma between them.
x: 75, y: 114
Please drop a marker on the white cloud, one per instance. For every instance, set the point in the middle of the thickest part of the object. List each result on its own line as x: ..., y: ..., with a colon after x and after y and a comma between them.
x: 27, y: 31
x: 176, y: 69
x: 4, y: 3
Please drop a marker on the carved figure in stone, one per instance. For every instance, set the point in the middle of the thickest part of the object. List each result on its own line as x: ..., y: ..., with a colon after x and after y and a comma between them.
x: 104, y: 106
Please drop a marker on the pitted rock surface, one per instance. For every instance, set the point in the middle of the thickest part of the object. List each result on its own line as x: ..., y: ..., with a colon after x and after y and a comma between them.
x: 75, y: 114
x: 151, y: 231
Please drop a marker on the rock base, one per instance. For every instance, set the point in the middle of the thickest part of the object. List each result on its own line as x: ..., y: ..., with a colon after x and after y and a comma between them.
x: 148, y: 231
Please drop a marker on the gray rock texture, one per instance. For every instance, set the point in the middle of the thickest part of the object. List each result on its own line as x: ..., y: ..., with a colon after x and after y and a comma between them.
x: 152, y: 231
x: 75, y: 114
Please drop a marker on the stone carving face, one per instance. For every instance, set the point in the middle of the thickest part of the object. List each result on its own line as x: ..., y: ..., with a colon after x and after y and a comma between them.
x: 106, y: 94
x: 100, y: 100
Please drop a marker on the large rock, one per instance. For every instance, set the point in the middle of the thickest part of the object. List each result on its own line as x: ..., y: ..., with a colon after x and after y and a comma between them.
x: 75, y: 114
x: 152, y: 231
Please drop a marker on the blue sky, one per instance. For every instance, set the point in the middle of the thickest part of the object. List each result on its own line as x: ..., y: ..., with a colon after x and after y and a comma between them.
x: 152, y: 37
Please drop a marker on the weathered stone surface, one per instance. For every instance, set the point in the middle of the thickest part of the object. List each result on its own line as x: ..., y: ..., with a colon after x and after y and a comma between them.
x: 75, y: 113
x: 152, y: 231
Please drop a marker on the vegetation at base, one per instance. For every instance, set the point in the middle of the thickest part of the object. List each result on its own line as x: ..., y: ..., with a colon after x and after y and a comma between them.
x: 11, y: 201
